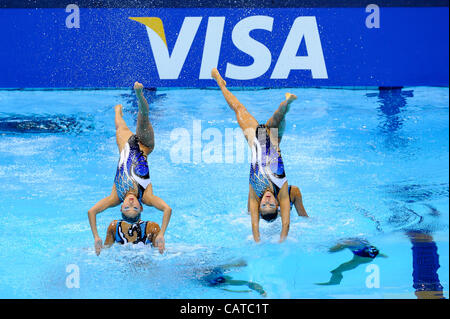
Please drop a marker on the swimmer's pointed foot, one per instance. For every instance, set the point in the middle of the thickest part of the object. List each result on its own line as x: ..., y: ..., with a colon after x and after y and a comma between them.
x: 142, y: 102
x: 138, y: 88
x: 290, y: 97
x: 216, y: 76
x: 118, y: 109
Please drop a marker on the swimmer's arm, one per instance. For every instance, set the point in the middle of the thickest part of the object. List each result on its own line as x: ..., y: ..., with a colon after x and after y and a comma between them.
x: 161, y: 205
x: 296, y: 195
x: 253, y: 207
x: 107, y: 202
x: 285, y: 212
x: 110, y: 234
x: 152, y: 200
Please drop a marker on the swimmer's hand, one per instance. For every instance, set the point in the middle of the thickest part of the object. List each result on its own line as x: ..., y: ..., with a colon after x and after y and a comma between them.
x: 138, y: 88
x: 160, y: 242
x: 98, y: 245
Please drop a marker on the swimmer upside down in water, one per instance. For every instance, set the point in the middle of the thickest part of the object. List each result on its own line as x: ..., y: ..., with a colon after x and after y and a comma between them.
x: 269, y: 193
x: 132, y: 186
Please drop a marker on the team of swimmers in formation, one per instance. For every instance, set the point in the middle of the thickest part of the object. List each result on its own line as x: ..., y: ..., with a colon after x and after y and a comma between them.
x: 269, y: 194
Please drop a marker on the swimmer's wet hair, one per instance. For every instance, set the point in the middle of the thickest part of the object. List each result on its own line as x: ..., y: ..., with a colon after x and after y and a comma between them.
x: 270, y: 217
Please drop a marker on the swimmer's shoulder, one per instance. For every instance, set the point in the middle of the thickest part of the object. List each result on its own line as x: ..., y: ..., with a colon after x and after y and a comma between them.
x: 112, y: 226
x: 152, y: 228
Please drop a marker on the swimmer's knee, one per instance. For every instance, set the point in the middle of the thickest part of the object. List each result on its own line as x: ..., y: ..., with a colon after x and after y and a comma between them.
x: 146, y: 138
x: 147, y: 146
x: 150, y: 146
x: 238, y: 108
x: 123, y: 132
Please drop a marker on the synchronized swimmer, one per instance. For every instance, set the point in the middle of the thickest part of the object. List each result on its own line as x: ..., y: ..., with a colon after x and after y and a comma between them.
x: 269, y: 193
x: 132, y: 186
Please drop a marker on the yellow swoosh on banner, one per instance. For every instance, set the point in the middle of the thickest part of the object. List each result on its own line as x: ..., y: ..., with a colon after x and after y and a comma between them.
x: 153, y: 23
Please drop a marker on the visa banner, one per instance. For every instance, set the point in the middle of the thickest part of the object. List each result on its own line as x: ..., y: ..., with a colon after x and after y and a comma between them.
x: 263, y: 47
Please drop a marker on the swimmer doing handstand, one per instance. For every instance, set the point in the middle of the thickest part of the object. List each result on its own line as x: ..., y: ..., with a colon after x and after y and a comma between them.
x: 269, y: 193
x: 132, y: 186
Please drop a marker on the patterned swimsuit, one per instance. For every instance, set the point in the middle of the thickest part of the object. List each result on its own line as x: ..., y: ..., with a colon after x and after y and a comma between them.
x: 132, y: 171
x: 131, y: 233
x: 267, y: 168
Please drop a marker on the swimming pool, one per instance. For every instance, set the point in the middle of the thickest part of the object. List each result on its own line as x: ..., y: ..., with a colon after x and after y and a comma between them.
x: 371, y: 165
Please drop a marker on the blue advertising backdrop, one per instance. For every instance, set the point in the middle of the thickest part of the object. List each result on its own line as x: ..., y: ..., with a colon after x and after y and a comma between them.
x: 259, y: 47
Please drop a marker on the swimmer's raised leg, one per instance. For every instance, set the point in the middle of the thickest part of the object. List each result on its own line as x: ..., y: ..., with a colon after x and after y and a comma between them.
x: 246, y: 121
x: 123, y: 133
x: 278, y: 119
x: 144, y: 129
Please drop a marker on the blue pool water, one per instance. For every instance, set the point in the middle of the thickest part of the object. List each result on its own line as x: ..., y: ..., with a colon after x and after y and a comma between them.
x: 371, y: 165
